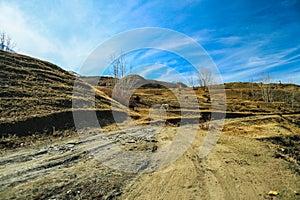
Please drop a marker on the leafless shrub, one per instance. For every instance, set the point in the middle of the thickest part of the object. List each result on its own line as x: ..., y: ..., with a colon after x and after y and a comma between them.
x: 267, y: 91
x: 191, y: 80
x: 6, y: 42
x: 119, y: 66
x: 204, y: 77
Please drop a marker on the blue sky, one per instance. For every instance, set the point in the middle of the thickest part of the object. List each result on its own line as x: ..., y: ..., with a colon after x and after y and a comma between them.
x: 244, y: 38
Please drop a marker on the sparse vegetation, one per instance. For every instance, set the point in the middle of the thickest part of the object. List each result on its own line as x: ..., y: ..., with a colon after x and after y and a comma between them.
x: 6, y: 42
x: 205, y: 77
x: 119, y: 66
x: 257, y: 151
x: 34, y: 91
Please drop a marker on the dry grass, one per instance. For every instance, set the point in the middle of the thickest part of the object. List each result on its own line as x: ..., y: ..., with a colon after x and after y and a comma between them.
x: 32, y: 90
x: 239, y: 100
x: 32, y: 87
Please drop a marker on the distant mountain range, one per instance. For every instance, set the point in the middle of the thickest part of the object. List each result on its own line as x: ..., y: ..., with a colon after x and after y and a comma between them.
x: 131, y: 80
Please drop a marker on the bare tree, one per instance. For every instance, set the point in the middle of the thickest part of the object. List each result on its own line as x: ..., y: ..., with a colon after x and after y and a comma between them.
x: 267, y: 91
x: 123, y: 65
x: 190, y: 79
x: 251, y: 89
x: 2, y: 40
x: 204, y: 77
x: 115, y: 66
x: 6, y: 43
x: 119, y: 66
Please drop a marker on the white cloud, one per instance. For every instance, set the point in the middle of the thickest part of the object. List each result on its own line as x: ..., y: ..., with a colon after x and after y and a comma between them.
x: 147, y: 54
x: 51, y: 37
x: 27, y: 35
x: 255, y: 61
x: 147, y: 70
x: 250, y: 63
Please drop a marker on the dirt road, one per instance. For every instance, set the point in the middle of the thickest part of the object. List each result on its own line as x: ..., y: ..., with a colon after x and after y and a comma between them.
x: 237, y: 168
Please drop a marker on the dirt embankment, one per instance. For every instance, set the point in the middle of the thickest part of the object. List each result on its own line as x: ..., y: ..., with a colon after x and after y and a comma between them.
x: 61, y: 121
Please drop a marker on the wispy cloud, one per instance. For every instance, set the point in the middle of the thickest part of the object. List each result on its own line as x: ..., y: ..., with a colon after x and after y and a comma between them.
x: 32, y: 38
x: 27, y: 35
x: 148, y: 70
x: 244, y: 38
x: 242, y: 70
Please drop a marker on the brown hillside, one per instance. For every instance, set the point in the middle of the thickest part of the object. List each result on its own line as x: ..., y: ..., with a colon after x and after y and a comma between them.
x: 136, y: 81
x: 37, y: 95
x: 257, y: 152
x: 242, y: 99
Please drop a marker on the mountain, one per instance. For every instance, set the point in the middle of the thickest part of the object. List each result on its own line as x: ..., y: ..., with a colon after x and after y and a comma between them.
x: 134, y: 80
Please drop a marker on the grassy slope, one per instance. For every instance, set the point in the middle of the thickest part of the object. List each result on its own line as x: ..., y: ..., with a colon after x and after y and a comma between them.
x: 32, y: 89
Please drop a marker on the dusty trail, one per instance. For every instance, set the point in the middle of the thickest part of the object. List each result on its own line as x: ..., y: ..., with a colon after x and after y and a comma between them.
x: 176, y: 181
x: 57, y: 169
x: 237, y: 168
